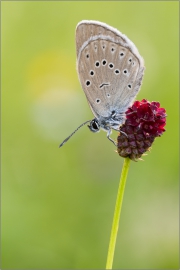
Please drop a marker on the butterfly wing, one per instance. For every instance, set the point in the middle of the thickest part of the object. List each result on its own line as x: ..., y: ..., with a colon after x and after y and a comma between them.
x: 110, y: 67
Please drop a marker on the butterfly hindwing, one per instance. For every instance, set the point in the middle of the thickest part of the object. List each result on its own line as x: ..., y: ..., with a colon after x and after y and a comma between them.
x: 109, y: 66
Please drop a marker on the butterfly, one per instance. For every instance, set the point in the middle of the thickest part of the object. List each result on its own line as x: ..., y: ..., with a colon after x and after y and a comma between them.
x: 110, y: 71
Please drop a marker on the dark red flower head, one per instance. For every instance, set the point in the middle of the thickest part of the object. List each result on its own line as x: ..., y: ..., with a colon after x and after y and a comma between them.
x: 144, y: 122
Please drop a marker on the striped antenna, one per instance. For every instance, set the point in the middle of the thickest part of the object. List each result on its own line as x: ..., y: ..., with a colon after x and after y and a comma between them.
x: 73, y: 133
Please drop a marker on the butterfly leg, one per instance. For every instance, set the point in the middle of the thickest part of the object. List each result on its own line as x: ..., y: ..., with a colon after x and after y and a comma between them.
x: 119, y: 129
x: 108, y: 136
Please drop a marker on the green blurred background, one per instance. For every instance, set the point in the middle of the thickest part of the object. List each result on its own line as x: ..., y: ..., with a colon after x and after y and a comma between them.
x: 58, y: 204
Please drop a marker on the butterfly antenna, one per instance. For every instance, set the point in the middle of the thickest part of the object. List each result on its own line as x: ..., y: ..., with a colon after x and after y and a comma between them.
x: 73, y: 133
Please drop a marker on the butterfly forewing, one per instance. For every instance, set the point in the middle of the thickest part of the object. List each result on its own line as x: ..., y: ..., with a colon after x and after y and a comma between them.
x: 109, y: 66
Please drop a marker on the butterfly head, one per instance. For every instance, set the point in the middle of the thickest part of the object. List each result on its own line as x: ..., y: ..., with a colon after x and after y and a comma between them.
x: 94, y: 126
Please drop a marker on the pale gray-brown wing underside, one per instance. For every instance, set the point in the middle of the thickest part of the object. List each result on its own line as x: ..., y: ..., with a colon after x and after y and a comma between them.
x: 109, y: 66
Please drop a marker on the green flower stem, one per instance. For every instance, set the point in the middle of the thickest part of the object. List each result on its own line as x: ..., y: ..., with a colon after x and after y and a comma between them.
x: 117, y: 213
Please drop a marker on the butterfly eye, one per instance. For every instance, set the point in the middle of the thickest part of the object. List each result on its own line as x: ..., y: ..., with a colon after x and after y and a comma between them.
x: 94, y: 126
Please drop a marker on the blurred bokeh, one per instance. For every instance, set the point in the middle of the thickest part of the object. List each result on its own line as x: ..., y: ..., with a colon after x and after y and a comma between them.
x: 58, y: 204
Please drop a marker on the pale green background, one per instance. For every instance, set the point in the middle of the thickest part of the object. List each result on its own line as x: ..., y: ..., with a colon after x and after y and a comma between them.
x: 57, y: 204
